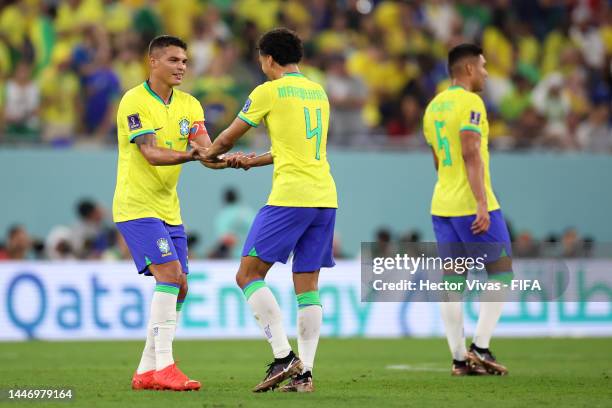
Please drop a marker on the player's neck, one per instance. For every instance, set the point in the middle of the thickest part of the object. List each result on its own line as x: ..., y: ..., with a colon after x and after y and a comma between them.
x: 162, y: 90
x: 287, y: 69
x: 462, y: 83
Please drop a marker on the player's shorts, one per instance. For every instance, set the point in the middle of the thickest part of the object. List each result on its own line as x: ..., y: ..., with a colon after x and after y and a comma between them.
x: 455, y: 238
x: 307, y: 232
x: 152, y: 241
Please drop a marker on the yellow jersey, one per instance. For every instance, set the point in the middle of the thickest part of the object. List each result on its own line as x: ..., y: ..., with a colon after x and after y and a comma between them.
x: 450, y: 112
x: 144, y: 190
x: 296, y: 112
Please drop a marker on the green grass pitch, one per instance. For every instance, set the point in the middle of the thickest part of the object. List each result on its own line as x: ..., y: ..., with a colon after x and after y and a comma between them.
x: 348, y: 373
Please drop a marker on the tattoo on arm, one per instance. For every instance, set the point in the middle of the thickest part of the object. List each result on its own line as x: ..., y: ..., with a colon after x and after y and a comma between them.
x: 146, y: 140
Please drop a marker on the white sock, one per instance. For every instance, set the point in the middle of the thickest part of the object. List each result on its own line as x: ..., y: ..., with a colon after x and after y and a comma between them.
x: 163, y: 320
x: 452, y: 316
x: 491, y: 306
x: 268, y: 315
x: 309, y: 330
x: 147, y: 361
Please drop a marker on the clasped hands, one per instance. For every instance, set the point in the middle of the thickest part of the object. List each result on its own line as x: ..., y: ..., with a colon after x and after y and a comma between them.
x: 236, y: 160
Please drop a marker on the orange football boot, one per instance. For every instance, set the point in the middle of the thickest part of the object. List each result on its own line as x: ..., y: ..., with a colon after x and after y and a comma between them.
x: 171, y: 378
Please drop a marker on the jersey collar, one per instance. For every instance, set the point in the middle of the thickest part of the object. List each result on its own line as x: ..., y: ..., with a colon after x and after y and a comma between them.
x: 456, y: 87
x: 294, y: 74
x: 156, y: 96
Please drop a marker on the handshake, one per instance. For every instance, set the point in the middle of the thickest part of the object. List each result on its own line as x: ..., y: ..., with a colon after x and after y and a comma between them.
x: 236, y: 160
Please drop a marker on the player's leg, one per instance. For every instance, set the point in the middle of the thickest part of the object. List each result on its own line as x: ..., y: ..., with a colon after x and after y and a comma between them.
x: 179, y: 240
x: 309, y: 319
x: 494, y: 245
x: 147, y: 366
x: 169, y: 277
x: 313, y: 251
x: 138, y: 237
x: 272, y: 237
x: 451, y: 306
x: 251, y: 279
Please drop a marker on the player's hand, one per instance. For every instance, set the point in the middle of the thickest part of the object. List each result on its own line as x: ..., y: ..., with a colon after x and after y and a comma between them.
x: 239, y: 160
x: 482, y: 221
x: 201, y: 152
x: 193, y: 154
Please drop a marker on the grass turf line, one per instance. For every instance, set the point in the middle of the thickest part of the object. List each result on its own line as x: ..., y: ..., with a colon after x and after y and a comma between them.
x: 350, y: 372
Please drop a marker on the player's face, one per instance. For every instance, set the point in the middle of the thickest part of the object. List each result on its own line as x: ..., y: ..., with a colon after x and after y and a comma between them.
x: 169, y: 64
x: 480, y: 74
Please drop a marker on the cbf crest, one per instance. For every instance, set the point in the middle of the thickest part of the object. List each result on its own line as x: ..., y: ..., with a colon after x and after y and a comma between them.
x: 164, y: 246
x: 184, y: 127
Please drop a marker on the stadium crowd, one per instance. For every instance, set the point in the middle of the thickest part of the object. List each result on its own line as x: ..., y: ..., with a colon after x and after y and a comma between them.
x: 65, y: 64
x: 93, y: 237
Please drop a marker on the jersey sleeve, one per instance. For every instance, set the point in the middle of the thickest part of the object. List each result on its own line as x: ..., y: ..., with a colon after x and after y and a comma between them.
x: 473, y: 115
x: 196, y: 120
x: 256, y: 106
x: 135, y: 117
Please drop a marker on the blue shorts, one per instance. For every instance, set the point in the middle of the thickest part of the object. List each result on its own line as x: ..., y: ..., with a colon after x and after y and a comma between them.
x: 307, y: 232
x: 152, y: 241
x: 455, y: 237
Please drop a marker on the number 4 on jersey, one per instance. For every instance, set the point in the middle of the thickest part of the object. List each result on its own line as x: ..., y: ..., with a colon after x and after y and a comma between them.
x: 318, y: 131
x: 443, y: 144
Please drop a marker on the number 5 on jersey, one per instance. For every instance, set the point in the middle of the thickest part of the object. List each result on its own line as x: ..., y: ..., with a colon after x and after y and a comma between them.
x: 443, y: 144
x: 317, y: 131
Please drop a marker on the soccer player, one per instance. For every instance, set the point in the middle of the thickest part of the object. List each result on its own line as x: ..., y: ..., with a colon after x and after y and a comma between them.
x: 464, y: 209
x: 154, y: 123
x: 300, y: 213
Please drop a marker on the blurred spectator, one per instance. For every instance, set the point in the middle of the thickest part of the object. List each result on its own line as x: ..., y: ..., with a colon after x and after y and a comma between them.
x: 571, y: 245
x: 18, y: 244
x: 101, y: 91
x: 337, y: 248
x: 595, y: 134
x: 90, y: 235
x: 192, y: 241
x: 517, y: 100
x: 224, y: 248
x: 117, y: 249
x: 527, y: 130
x: 525, y: 246
x: 585, y: 33
x: 553, y: 103
x: 128, y: 65
x: 59, y: 93
x: 383, y: 246
x: 201, y: 47
x: 21, y: 105
x: 347, y: 96
x: 405, y: 122
x: 232, y: 225
x: 58, y: 245
x: 395, y: 53
x: 74, y: 15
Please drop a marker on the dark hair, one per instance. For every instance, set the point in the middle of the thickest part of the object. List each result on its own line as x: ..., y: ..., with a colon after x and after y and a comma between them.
x: 85, y: 207
x: 14, y: 229
x: 283, y: 45
x: 164, y: 41
x: 230, y: 196
x: 460, y: 52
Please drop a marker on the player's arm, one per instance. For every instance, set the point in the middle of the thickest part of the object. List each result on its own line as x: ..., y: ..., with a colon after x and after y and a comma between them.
x: 224, y: 142
x: 256, y: 107
x: 160, y: 156
x: 474, y: 166
x: 435, y: 158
